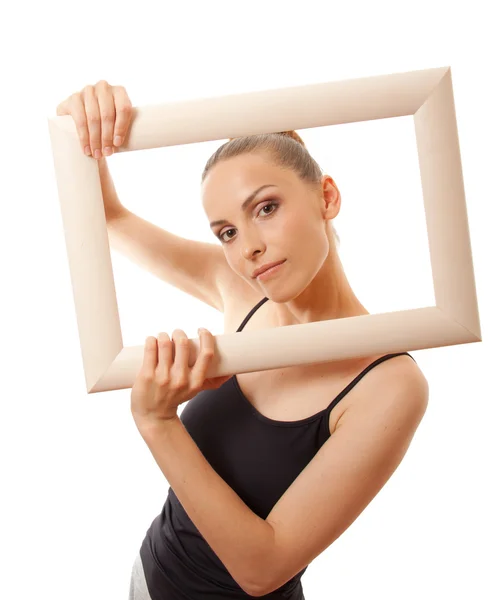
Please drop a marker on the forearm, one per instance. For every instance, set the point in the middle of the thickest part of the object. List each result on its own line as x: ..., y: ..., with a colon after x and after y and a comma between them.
x: 240, y: 538
x: 112, y: 205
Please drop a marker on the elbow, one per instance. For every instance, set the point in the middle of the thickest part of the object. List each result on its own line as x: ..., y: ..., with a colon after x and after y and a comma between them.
x: 261, y: 582
x: 256, y: 588
x: 255, y: 593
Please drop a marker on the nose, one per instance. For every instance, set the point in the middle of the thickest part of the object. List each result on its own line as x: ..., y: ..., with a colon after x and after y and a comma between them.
x: 252, y: 244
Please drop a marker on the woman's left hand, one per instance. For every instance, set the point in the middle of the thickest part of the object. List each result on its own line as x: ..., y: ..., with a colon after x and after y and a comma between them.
x: 165, y: 380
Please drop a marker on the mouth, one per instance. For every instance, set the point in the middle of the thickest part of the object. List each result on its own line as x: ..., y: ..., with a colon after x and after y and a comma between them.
x: 270, y: 271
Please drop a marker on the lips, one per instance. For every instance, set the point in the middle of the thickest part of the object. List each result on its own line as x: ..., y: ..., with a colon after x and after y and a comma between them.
x: 266, y: 267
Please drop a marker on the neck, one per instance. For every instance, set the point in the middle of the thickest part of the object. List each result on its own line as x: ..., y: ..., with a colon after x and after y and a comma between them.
x: 329, y: 296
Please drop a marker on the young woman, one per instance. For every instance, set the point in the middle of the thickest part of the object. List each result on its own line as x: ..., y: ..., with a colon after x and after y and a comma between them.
x: 266, y: 469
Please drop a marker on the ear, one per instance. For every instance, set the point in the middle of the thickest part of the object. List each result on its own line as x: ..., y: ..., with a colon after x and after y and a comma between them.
x: 331, y: 197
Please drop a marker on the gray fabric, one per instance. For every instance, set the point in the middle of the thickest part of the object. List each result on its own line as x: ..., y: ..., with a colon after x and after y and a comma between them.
x: 138, y: 585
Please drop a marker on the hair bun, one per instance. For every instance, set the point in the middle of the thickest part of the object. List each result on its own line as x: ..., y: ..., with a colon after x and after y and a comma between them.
x: 293, y: 135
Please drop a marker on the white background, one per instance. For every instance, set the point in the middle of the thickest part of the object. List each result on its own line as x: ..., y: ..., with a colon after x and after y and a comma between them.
x: 79, y: 485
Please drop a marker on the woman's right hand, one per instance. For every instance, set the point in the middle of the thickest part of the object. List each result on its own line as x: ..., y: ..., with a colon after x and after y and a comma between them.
x: 102, y: 114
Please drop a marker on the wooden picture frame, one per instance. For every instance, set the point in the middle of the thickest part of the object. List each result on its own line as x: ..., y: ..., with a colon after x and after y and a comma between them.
x: 425, y: 94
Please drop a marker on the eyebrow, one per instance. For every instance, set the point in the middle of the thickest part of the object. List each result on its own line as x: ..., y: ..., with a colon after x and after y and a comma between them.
x: 245, y: 204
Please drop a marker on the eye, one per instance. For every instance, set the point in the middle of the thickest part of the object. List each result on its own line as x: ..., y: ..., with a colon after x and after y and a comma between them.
x: 268, y: 204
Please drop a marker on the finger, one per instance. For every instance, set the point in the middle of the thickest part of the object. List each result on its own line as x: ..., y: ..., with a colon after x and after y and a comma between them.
x: 124, y: 112
x: 93, y: 120
x: 77, y: 110
x: 205, y: 355
x: 105, y: 99
x: 64, y: 107
x: 164, y: 358
x: 150, y: 358
x: 180, y: 372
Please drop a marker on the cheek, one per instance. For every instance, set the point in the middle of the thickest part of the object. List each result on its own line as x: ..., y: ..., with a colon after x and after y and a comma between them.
x: 291, y: 226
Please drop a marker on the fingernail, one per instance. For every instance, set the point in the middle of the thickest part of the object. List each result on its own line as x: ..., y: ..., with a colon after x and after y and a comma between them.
x: 117, y: 140
x: 107, y: 151
x: 88, y: 151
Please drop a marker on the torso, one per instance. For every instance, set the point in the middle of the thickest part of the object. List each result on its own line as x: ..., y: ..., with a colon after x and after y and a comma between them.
x: 294, y: 393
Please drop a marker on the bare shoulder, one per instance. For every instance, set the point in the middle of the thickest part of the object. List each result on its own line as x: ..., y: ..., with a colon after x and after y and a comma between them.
x: 399, y: 373
x: 401, y: 369
x: 410, y: 371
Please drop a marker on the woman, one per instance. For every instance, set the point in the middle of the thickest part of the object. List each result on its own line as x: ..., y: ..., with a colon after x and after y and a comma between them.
x: 247, y: 514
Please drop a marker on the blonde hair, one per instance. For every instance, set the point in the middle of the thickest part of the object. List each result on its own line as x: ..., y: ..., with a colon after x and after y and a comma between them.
x: 286, y: 149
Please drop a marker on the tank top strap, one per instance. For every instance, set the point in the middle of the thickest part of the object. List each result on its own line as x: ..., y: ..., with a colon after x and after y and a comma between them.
x: 251, y: 312
x: 351, y: 385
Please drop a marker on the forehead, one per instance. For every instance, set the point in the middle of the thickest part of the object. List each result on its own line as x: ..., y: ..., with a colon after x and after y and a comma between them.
x: 237, y: 177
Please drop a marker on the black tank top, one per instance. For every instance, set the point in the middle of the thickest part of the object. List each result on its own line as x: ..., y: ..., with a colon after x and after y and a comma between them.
x: 259, y: 458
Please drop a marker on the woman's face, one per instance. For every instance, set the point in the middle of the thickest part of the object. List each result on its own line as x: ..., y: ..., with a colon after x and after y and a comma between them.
x: 287, y: 220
